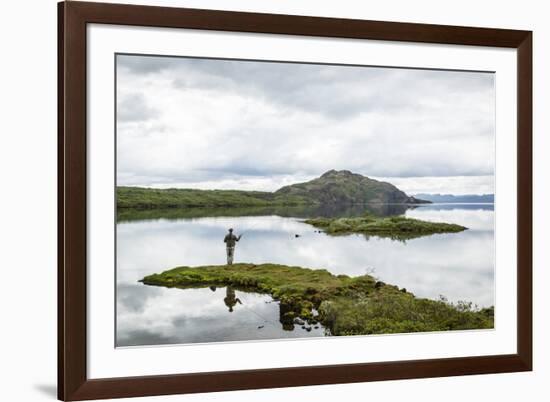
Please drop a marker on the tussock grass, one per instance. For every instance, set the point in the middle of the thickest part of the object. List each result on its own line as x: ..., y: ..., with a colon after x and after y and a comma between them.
x: 344, y: 305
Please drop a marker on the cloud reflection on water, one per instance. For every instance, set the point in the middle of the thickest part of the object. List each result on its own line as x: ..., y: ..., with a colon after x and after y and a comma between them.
x: 459, y: 266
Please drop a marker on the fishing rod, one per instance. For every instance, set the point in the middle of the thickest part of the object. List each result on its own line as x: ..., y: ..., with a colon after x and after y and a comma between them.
x: 251, y: 227
x: 266, y: 320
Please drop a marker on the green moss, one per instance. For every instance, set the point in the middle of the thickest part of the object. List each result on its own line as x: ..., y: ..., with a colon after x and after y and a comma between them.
x: 398, y: 227
x: 346, y: 305
x: 387, y: 311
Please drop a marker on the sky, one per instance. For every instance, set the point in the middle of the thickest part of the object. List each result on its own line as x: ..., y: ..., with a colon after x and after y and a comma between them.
x: 249, y: 125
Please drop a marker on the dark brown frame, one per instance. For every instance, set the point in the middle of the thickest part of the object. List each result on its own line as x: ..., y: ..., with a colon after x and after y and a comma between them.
x: 73, y: 383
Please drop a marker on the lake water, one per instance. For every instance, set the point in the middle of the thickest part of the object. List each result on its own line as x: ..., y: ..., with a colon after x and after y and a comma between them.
x: 458, y: 266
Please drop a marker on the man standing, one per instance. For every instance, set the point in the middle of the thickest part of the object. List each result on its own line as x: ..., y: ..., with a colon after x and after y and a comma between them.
x: 230, y: 240
x: 230, y: 299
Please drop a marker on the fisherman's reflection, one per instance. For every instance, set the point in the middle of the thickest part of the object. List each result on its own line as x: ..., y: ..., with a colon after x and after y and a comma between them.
x: 230, y: 299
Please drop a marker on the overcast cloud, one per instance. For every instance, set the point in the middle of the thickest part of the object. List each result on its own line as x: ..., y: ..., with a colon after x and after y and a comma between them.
x: 198, y: 123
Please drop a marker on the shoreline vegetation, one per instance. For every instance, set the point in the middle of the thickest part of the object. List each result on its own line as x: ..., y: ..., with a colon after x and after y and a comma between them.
x: 290, y: 211
x: 151, y: 198
x: 344, y: 305
x: 394, y: 227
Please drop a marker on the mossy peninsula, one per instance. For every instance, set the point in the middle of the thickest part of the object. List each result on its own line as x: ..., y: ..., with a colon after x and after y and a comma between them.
x: 344, y: 305
x: 395, y: 227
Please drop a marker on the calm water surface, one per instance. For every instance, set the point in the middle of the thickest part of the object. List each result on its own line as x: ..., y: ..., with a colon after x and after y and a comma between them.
x: 459, y: 266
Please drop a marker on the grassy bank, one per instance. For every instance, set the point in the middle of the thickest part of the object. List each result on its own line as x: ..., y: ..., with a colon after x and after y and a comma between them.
x: 294, y: 211
x: 138, y: 197
x: 397, y: 227
x: 344, y: 305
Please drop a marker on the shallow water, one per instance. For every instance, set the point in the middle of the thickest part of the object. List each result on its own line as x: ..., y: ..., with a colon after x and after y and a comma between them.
x: 459, y: 266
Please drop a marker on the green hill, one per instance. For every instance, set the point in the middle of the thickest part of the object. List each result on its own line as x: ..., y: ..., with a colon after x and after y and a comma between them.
x: 333, y: 187
x: 345, y: 187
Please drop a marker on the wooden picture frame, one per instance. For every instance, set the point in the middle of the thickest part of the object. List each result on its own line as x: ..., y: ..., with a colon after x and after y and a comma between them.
x: 73, y: 382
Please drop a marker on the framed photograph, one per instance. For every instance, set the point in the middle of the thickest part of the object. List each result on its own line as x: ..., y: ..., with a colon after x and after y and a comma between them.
x: 254, y: 200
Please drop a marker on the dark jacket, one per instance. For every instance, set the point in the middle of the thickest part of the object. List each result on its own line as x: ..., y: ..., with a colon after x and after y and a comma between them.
x: 230, y: 239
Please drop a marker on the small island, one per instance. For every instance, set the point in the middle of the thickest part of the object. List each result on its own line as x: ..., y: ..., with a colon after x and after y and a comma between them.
x: 395, y: 227
x: 344, y: 305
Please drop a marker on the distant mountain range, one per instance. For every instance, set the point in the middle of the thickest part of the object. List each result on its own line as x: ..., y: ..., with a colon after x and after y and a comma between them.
x: 449, y: 198
x: 333, y: 187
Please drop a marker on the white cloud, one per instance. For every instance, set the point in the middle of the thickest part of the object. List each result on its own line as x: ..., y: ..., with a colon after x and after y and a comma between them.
x: 256, y: 125
x: 458, y: 185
